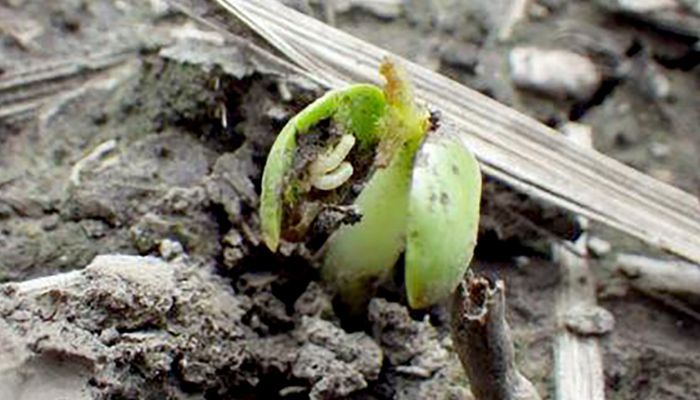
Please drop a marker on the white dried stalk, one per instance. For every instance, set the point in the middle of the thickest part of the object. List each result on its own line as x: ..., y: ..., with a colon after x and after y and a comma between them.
x: 578, y: 359
x: 662, y: 276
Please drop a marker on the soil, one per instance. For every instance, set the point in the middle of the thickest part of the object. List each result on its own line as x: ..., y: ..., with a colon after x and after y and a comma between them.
x: 131, y: 192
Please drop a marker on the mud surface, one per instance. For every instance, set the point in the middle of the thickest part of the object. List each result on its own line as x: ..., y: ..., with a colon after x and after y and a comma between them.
x: 154, y: 163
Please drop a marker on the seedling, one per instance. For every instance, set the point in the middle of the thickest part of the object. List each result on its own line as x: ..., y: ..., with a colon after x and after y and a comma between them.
x: 375, y: 152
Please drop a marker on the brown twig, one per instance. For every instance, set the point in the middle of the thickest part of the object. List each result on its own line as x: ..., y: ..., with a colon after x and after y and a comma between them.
x: 484, y: 344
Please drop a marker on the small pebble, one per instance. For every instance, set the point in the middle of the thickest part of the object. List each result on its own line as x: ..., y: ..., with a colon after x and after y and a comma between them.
x: 580, y: 134
x: 659, y: 86
x: 522, y: 261
x: 160, y: 7
x: 556, y: 73
x: 277, y: 113
x: 659, y: 150
x: 109, y: 336
x: 655, y: 83
x: 170, y: 249
x: 598, y: 246
x: 460, y: 55
x: 50, y: 223
x: 589, y: 320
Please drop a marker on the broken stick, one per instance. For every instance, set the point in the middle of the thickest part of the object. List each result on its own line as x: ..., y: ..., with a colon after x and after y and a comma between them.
x: 483, y: 342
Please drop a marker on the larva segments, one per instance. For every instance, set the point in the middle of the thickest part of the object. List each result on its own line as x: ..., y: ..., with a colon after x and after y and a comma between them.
x: 357, y: 108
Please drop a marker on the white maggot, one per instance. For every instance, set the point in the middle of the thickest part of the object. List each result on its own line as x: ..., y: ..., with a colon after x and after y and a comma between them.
x: 331, y: 160
x: 334, y: 178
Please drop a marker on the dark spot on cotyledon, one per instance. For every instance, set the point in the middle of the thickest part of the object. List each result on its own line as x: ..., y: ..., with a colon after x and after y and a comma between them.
x: 455, y: 169
x: 435, y: 116
x: 444, y: 199
x: 433, y: 200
